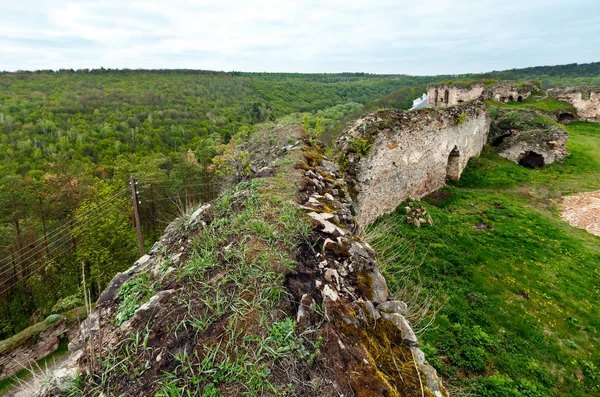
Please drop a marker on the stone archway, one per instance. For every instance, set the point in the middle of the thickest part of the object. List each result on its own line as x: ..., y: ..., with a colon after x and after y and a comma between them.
x: 446, y: 96
x: 453, y: 167
x: 436, y: 97
x: 520, y: 98
x: 532, y: 160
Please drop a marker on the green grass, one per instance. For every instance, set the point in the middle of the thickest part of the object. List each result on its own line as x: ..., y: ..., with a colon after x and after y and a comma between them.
x: 521, y: 313
x: 547, y: 104
x: 230, y: 303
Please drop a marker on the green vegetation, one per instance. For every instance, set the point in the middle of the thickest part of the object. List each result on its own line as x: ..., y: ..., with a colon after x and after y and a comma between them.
x: 229, y: 308
x: 133, y: 294
x: 547, y: 104
x: 70, y: 140
x: 519, y: 286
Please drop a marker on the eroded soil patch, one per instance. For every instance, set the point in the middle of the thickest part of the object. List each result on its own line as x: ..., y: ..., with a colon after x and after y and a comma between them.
x: 582, y: 210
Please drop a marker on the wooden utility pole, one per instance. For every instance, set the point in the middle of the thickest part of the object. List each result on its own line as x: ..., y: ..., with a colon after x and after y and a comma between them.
x: 136, y: 212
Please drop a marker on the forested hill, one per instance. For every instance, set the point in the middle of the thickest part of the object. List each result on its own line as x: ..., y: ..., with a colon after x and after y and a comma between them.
x: 553, y: 76
x: 69, y: 140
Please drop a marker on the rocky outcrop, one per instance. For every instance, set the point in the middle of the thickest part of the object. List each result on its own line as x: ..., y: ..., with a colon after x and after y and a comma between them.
x: 366, y: 333
x: 394, y: 155
x: 535, y: 148
x: 37, y: 342
x: 334, y: 293
x: 528, y: 137
x: 585, y: 99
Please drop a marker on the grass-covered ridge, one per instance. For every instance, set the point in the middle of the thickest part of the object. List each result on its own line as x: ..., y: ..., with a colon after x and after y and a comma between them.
x: 521, y: 291
x: 226, y: 330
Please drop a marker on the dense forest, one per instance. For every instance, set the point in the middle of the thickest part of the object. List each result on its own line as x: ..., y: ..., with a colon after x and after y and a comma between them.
x: 69, y: 141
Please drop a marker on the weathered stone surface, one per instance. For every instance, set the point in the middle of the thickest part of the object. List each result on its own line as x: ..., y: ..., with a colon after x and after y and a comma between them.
x: 522, y: 147
x: 393, y: 307
x: 113, y: 287
x: 432, y: 380
x: 89, y: 325
x: 147, y: 310
x: 418, y: 355
x: 328, y: 227
x: 585, y: 99
x: 330, y: 293
x: 412, y: 154
x: 455, y: 94
x: 197, y: 215
x: 378, y: 285
x: 408, y: 335
x: 59, y: 383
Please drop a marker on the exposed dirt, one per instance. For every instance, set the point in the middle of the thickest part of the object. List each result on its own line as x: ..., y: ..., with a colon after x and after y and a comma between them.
x: 582, y: 210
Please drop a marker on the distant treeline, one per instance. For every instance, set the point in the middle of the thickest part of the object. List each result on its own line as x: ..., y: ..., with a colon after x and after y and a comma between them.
x: 70, y: 139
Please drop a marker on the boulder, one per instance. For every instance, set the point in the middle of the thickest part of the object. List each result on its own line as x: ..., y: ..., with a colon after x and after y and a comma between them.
x: 408, y: 336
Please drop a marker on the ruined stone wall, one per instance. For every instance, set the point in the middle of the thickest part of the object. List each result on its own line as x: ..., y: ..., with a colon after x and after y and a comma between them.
x: 36, y: 343
x: 443, y: 95
x: 396, y: 155
x: 506, y: 92
x: 450, y: 95
x: 585, y: 100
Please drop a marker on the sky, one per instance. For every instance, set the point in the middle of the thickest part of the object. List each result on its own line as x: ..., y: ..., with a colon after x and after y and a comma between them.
x: 420, y: 37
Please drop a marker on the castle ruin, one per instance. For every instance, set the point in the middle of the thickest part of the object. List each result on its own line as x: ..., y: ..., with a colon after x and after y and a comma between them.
x: 584, y: 99
x: 395, y: 155
x: 443, y: 95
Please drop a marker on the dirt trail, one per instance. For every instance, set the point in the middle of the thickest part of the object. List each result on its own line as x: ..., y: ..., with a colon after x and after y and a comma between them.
x: 583, y: 210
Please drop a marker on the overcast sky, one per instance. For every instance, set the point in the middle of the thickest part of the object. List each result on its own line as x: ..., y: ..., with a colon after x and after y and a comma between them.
x: 376, y: 36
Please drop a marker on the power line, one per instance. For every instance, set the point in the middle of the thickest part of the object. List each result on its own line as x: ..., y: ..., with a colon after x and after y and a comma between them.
x: 65, y: 226
x: 40, y: 249
x: 32, y: 264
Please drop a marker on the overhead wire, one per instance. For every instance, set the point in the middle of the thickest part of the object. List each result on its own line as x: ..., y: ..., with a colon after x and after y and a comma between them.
x: 69, y: 223
x: 67, y: 236
x: 62, y: 229
x: 41, y: 265
x: 65, y: 232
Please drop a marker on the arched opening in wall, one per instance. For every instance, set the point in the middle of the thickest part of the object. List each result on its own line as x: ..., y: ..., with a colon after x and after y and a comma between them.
x: 565, y: 118
x: 502, y: 99
x: 511, y: 98
x: 520, y: 99
x: 446, y: 96
x: 460, y: 101
x: 586, y: 96
x: 453, y: 167
x: 436, y: 97
x: 500, y: 139
x: 532, y: 160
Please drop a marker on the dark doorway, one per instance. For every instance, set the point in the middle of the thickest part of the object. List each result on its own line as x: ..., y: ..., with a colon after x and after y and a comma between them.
x: 436, y: 97
x: 500, y: 140
x: 520, y: 99
x: 453, y: 168
x: 565, y: 118
x: 532, y: 160
x: 446, y: 96
x: 511, y: 98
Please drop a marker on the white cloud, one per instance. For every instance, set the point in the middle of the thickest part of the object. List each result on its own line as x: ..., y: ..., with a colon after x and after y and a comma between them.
x: 380, y: 36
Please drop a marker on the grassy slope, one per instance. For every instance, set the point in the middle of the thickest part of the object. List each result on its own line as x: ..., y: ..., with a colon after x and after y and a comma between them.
x: 521, y: 316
